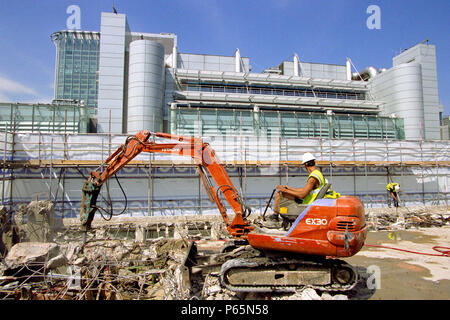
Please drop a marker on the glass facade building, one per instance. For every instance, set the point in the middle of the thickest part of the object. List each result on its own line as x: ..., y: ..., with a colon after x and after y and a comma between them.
x: 44, y: 118
x: 76, y: 69
x: 296, y: 98
x: 286, y: 124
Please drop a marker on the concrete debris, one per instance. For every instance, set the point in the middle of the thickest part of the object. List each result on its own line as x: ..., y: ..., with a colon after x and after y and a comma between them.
x: 31, y: 253
x: 308, y: 294
x: 58, y: 261
x: 9, y: 235
x: 326, y: 296
x: 212, y: 290
x: 405, y: 218
x: 180, y: 231
x: 34, y: 222
x: 218, y: 231
x: 41, y: 224
x: 340, y: 297
x: 44, y: 259
x: 98, y: 270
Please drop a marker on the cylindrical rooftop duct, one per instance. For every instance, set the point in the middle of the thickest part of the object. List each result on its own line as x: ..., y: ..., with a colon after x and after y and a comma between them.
x: 237, y: 67
x: 145, y: 86
x: 296, y: 73
x: 366, y: 74
x: 175, y: 57
x: 348, y: 68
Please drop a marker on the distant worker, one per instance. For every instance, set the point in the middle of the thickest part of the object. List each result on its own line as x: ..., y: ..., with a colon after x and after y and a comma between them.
x: 308, y: 193
x: 394, y: 189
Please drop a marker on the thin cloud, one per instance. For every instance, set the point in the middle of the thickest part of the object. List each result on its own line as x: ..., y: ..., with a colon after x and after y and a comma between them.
x: 14, y: 91
x: 11, y: 86
x: 4, y: 98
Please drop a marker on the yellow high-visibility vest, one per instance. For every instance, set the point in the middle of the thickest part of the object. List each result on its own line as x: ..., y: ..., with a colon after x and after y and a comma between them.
x: 313, y: 194
x: 391, y: 186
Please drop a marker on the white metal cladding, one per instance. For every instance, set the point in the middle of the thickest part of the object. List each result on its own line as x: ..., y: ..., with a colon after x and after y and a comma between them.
x: 316, y: 70
x: 425, y: 55
x: 111, y: 72
x: 401, y: 88
x: 214, y: 63
x: 145, y: 86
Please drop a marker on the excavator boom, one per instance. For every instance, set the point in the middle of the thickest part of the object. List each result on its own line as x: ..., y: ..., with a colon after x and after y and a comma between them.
x: 203, y: 156
x: 282, y: 260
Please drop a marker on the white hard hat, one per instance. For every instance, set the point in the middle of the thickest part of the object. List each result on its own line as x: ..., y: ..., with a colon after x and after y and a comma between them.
x: 307, y: 157
x: 397, y: 187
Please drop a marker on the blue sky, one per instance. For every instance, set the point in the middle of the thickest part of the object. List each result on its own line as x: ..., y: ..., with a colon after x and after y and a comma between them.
x: 266, y: 31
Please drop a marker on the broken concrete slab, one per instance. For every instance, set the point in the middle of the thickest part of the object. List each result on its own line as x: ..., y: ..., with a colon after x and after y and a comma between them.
x: 403, y: 218
x: 41, y: 223
x: 180, y: 231
x: 31, y: 253
x: 309, y: 294
x: 56, y: 262
x: 36, y: 221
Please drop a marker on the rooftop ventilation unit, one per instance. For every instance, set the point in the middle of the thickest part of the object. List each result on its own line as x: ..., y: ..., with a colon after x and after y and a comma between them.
x: 272, y: 71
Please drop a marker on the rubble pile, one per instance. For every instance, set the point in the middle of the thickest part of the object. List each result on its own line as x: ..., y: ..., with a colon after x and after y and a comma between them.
x: 34, y: 222
x: 43, y: 259
x: 405, y: 218
x: 106, y: 270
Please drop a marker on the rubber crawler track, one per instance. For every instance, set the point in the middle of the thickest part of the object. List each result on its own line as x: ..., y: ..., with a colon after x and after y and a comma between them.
x: 270, y: 263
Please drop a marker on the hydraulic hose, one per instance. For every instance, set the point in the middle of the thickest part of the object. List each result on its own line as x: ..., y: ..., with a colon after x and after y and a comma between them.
x: 444, y: 251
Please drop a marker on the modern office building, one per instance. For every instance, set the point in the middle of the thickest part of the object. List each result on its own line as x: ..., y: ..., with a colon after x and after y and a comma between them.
x: 143, y: 81
x: 445, y: 128
x: 60, y: 116
x: 76, y: 72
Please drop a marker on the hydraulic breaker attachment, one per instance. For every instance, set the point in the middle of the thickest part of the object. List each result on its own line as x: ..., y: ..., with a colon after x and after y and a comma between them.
x: 90, y: 192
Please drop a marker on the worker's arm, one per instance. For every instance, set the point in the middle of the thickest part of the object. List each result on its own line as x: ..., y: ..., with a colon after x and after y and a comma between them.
x: 299, y: 192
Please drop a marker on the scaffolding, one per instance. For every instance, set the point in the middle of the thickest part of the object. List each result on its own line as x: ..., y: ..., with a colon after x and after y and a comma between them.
x: 54, y: 166
x: 54, y: 118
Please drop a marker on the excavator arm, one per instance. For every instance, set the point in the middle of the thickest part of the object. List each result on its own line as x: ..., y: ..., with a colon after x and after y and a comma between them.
x: 324, y: 228
x: 205, y: 159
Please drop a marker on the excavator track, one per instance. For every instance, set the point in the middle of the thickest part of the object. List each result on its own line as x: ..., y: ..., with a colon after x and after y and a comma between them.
x: 287, y: 275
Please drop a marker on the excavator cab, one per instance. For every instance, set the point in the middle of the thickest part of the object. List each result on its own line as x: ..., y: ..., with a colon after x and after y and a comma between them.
x: 316, y: 234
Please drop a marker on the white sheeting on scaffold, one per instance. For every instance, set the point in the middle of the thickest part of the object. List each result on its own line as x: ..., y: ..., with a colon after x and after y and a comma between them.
x: 234, y: 148
x: 177, y: 190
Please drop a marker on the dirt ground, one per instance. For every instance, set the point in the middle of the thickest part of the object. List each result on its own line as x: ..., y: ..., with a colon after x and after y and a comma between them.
x: 405, y: 275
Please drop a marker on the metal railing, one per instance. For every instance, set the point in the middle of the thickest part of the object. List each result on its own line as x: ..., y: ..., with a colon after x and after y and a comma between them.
x: 303, y: 92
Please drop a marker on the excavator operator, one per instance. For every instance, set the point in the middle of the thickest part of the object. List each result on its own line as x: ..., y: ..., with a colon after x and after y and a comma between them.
x: 308, y: 193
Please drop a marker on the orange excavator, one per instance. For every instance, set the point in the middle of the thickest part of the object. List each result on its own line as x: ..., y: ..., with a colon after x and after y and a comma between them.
x: 303, y: 254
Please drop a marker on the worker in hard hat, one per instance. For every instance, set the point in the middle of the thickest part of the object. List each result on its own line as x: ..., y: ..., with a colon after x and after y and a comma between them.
x: 393, y: 188
x: 308, y: 193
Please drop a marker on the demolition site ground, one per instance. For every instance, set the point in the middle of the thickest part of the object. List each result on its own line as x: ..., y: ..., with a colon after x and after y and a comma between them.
x: 406, y: 256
